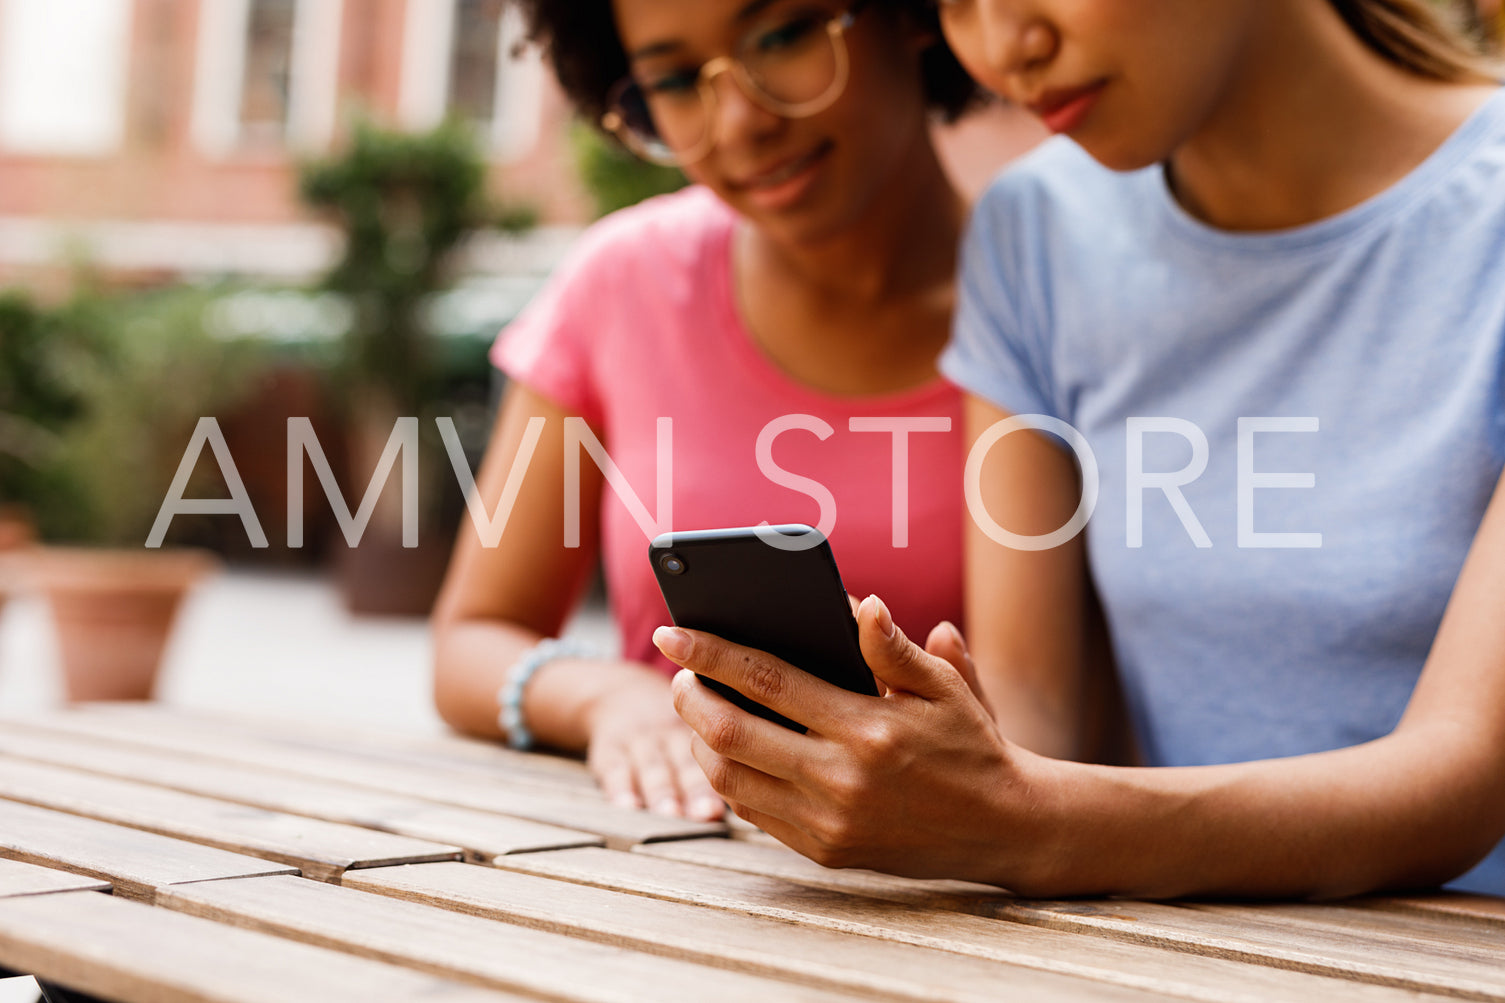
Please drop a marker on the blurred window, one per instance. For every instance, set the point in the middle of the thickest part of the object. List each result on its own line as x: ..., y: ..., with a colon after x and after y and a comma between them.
x: 267, y: 84
x: 267, y: 74
x: 459, y: 60
x: 63, y: 75
x: 474, y: 57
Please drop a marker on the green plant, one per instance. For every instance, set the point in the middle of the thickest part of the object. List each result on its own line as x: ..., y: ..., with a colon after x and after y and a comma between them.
x: 40, y: 393
x: 405, y: 203
x: 151, y: 373
x: 613, y: 176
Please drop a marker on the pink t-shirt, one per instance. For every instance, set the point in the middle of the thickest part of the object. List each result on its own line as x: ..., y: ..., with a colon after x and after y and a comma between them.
x: 641, y: 323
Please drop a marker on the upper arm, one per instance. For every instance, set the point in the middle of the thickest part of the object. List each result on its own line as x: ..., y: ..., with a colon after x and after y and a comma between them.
x: 530, y: 578
x: 1029, y: 613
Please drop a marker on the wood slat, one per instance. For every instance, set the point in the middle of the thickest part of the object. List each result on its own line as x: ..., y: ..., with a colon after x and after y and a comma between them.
x: 1454, y: 905
x: 617, y: 826
x: 321, y: 850
x: 1142, y: 965
x: 1382, y: 931
x: 133, y: 953
x: 18, y: 878
x: 874, y: 969
x: 1347, y: 943
x: 1325, y: 940
x: 446, y: 751
x: 135, y: 863
x: 468, y: 948
x: 775, y: 860
x: 1464, y: 972
x: 481, y: 835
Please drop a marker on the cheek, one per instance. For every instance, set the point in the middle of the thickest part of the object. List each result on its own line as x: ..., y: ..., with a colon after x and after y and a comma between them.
x: 960, y: 24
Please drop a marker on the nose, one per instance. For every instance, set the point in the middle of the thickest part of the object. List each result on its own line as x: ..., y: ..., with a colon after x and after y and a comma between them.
x: 734, y: 115
x: 1014, y: 41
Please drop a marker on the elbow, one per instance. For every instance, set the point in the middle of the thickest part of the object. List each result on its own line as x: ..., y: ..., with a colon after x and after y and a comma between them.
x: 452, y: 701
x: 1464, y: 817
x: 1464, y: 841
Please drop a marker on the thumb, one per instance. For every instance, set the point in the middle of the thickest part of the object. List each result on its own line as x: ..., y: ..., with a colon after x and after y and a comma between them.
x: 898, y: 662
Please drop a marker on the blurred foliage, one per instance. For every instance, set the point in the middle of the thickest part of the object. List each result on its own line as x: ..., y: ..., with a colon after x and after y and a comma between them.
x: 150, y: 371
x: 517, y: 218
x: 406, y: 203
x: 613, y: 176
x: 43, y: 354
x: 98, y: 399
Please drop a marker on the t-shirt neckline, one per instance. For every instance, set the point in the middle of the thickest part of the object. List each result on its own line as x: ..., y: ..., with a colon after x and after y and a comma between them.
x: 757, y: 363
x: 1454, y: 150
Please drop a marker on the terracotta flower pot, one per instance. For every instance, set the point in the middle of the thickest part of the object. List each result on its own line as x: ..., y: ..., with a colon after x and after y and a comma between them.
x: 17, y: 532
x: 16, y: 528
x: 114, y: 611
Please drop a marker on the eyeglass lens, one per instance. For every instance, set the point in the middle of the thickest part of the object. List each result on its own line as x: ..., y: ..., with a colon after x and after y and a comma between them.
x: 789, y: 63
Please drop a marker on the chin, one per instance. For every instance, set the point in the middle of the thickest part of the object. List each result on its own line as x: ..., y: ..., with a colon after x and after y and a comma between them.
x: 803, y: 228
x: 1121, y: 155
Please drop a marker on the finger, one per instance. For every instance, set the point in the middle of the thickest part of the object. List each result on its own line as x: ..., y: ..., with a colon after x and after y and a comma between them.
x: 741, y: 784
x: 772, y: 682
x: 733, y: 732
x: 655, y: 779
x: 776, y: 827
x: 696, y: 794
x: 945, y: 641
x: 790, y: 833
x: 613, y: 772
x: 895, y: 659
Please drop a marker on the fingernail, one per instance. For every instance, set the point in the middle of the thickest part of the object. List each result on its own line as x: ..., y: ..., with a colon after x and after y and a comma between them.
x: 668, y: 806
x: 673, y: 642
x: 885, y: 618
x: 956, y: 635
x: 626, y: 801
x: 708, y: 808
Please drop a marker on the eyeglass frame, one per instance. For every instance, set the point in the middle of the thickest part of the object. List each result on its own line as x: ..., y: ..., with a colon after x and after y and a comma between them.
x: 836, y: 28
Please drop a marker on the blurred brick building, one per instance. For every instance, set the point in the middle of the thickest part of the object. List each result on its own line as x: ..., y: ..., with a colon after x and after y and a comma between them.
x: 163, y: 136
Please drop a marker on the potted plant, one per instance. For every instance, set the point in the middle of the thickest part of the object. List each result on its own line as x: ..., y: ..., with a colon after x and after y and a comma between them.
x: 406, y: 203
x: 38, y: 399
x: 149, y: 373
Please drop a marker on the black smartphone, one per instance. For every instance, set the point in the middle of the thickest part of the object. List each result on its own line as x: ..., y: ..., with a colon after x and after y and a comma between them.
x: 775, y: 588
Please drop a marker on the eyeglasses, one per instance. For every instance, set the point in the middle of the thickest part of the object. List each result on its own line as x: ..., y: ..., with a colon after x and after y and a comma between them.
x: 792, y: 63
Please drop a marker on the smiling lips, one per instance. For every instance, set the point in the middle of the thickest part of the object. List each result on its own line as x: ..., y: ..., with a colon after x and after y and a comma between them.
x: 1064, y: 109
x: 785, y: 182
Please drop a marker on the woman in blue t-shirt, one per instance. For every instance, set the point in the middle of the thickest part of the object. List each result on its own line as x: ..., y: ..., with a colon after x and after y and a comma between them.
x: 1247, y: 329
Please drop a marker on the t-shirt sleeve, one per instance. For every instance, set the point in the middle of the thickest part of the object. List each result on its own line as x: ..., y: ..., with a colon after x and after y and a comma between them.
x: 994, y: 352
x: 551, y: 345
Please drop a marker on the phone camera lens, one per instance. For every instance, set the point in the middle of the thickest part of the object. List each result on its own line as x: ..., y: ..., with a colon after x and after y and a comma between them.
x: 672, y: 563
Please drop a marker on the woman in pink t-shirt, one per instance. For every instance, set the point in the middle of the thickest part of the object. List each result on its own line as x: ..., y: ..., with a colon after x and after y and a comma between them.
x: 784, y: 315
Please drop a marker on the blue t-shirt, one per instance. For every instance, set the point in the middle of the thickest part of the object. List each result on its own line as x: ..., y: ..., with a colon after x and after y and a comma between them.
x: 1256, y: 615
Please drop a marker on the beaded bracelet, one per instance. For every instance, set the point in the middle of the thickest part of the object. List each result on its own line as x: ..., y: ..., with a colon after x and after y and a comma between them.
x: 510, y: 696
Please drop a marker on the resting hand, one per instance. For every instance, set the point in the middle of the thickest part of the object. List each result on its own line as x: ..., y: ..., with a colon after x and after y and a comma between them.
x: 917, y: 782
x: 639, y: 753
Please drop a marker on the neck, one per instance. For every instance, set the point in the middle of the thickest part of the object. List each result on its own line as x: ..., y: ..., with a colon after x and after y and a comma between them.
x: 903, y: 243
x: 1314, y: 123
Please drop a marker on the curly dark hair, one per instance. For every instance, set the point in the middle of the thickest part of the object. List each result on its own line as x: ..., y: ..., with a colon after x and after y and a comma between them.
x: 581, y: 41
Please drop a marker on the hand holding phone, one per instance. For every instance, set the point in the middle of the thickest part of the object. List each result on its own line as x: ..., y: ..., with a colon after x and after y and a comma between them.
x: 775, y: 588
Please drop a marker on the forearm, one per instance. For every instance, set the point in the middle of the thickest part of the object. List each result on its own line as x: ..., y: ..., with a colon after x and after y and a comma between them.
x: 1413, y: 809
x: 470, y: 666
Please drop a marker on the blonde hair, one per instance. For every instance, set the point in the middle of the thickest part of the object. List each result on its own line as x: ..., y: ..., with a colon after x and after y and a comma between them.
x: 1421, y: 36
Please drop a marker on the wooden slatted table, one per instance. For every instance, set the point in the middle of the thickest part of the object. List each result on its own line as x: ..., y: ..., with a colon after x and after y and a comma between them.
x: 148, y: 854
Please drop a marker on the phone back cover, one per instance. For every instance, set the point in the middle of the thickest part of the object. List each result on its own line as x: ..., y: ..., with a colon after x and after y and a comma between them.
x: 788, y: 603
